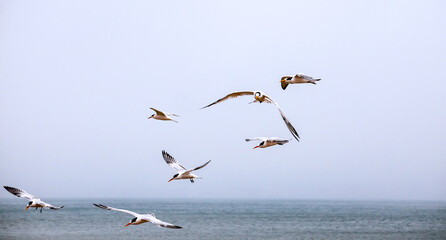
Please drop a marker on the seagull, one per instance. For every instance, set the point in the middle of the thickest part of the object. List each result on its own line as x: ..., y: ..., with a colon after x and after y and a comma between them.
x: 259, y: 97
x: 298, y: 78
x: 182, y: 172
x: 162, y: 116
x: 140, y: 218
x: 34, y: 202
x: 268, y: 142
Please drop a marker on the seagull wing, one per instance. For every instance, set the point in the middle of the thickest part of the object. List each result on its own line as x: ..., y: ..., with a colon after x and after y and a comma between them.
x: 278, y: 140
x: 231, y: 95
x: 116, y: 209
x: 158, y: 112
x: 20, y: 193
x: 190, y: 170
x: 306, y: 77
x: 158, y: 222
x: 284, y: 85
x: 255, y: 139
x: 172, y: 162
x: 287, y: 123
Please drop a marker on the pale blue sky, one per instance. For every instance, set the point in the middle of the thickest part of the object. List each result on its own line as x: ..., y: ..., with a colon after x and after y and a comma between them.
x: 77, y: 79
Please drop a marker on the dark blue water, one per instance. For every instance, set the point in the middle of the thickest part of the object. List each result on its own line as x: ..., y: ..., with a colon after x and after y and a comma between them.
x: 227, y: 219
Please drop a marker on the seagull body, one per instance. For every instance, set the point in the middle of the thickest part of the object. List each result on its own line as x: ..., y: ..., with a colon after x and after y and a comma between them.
x: 183, y: 173
x: 298, y: 78
x: 260, y: 97
x: 140, y: 218
x: 34, y: 201
x: 268, y: 142
x: 162, y: 116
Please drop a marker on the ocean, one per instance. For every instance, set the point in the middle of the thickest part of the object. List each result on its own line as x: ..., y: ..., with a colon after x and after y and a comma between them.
x: 227, y: 219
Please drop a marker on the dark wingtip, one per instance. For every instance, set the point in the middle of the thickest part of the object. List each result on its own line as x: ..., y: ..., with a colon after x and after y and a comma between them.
x: 14, y: 191
x: 165, y: 154
x: 99, y: 205
x: 175, y: 227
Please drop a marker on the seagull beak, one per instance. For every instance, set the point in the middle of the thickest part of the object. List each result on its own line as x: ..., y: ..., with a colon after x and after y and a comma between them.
x: 26, y: 208
x: 127, y: 224
x: 283, y: 80
x: 170, y: 180
x: 255, y: 147
x: 150, y: 117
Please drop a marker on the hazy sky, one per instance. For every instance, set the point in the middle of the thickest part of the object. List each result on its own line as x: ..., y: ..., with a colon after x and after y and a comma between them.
x: 77, y: 79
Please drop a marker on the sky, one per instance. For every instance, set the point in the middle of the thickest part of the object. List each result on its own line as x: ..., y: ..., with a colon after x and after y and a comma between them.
x: 78, y: 78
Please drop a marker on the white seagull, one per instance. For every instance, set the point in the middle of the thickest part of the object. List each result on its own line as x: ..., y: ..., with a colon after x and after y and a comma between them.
x: 268, y: 141
x: 34, y: 201
x: 183, y: 173
x: 162, y: 116
x: 298, y: 78
x: 259, y: 97
x: 140, y: 218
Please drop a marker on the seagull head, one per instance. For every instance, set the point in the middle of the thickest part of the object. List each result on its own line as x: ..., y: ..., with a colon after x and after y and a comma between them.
x: 174, y: 176
x: 131, y: 222
x: 285, y: 78
x: 151, y: 116
x: 29, y: 205
x: 258, y: 95
x: 261, y: 144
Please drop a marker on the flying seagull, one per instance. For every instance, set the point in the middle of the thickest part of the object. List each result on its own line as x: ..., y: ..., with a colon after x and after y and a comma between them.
x: 140, y: 218
x: 34, y: 201
x: 162, y: 116
x: 259, y: 97
x: 183, y: 173
x: 298, y: 78
x: 268, y: 141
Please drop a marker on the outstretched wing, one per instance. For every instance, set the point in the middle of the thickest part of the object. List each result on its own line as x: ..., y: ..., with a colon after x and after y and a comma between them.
x: 306, y: 77
x: 158, y: 112
x: 202, y: 166
x: 20, y: 193
x: 158, y: 222
x: 172, y: 162
x: 255, y: 139
x: 231, y: 95
x: 47, y: 205
x: 283, y: 85
x: 287, y: 123
x: 283, y: 82
x: 278, y: 140
x: 116, y: 209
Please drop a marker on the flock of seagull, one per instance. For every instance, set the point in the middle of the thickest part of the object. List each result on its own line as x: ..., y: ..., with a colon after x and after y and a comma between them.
x: 182, y: 172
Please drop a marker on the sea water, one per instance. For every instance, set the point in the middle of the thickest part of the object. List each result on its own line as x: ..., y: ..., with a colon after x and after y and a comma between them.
x: 226, y: 219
